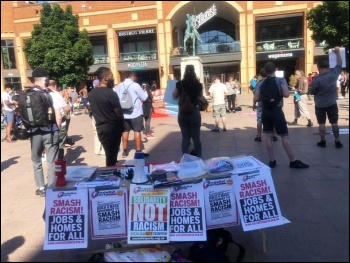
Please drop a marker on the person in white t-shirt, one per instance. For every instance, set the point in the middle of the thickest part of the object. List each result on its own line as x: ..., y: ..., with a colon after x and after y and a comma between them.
x: 9, y: 110
x: 218, y: 91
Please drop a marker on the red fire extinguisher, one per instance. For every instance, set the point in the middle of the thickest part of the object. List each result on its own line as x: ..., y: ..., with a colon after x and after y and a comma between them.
x: 60, y: 172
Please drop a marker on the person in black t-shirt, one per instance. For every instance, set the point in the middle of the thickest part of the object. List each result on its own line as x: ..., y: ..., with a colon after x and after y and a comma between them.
x: 107, y: 112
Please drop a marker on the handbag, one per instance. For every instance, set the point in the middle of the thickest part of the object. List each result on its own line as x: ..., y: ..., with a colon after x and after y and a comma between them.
x: 202, y: 103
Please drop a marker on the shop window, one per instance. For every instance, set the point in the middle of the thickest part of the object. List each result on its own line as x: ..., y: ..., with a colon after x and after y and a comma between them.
x: 8, y: 54
x: 17, y: 86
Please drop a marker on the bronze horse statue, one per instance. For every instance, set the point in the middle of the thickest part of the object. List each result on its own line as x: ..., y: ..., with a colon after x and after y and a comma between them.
x: 191, y: 33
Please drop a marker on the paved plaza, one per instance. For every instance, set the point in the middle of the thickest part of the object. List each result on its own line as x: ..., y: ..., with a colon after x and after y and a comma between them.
x: 315, y: 200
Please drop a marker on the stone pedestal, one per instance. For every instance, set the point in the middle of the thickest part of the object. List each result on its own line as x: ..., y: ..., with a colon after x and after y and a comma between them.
x: 198, y: 67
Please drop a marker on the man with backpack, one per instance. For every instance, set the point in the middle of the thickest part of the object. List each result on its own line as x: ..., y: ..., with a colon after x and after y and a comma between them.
x: 41, y: 115
x: 133, y: 118
x: 271, y: 93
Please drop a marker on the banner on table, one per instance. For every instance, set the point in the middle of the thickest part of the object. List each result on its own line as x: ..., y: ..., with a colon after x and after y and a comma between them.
x: 257, y: 199
x: 108, y: 213
x: 187, y: 213
x: 220, y: 202
x: 66, y: 217
x: 148, y: 214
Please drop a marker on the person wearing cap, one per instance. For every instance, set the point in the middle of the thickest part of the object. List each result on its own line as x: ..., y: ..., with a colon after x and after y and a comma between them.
x: 9, y: 110
x: 45, y: 137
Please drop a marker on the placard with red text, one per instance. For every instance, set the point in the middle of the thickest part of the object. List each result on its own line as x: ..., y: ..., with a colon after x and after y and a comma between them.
x: 220, y: 203
x: 257, y: 200
x: 148, y: 214
x: 187, y: 213
x: 66, y: 219
x: 108, y: 213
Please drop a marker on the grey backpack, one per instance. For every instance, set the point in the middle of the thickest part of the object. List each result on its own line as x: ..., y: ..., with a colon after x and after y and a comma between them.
x: 126, y: 102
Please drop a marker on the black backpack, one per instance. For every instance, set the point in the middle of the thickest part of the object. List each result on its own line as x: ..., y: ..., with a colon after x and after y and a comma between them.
x: 270, y: 93
x: 34, y: 106
x: 185, y: 104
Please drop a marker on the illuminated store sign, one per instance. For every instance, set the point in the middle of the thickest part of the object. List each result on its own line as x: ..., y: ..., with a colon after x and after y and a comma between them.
x: 136, y: 32
x: 137, y: 65
x: 202, y: 18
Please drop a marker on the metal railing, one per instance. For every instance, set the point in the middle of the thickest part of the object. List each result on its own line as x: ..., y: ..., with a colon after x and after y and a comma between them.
x: 209, y: 48
x: 293, y: 43
x: 101, y: 59
x: 138, y: 56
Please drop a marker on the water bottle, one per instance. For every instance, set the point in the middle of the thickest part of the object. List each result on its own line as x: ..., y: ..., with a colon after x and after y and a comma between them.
x: 139, y: 175
x: 60, y: 172
x: 49, y: 114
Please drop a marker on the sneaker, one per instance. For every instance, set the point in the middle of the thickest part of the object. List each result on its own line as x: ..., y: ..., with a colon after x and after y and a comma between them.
x: 322, y: 144
x: 272, y: 164
x: 298, y: 164
x: 40, y: 192
x: 215, y: 130
x: 224, y: 129
x: 294, y: 123
x: 70, y: 141
x: 125, y: 153
x: 310, y: 124
x: 150, y: 136
x: 257, y: 139
x: 338, y: 144
x: 275, y: 138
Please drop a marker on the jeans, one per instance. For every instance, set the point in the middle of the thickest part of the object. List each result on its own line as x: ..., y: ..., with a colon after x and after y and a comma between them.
x: 41, y: 140
x: 231, y: 102
x: 148, y: 122
x: 190, y: 126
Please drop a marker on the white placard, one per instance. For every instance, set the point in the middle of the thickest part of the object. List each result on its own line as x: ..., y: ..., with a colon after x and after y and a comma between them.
x: 148, y: 215
x: 333, y: 58
x: 108, y: 213
x: 257, y: 200
x: 220, y: 203
x: 187, y: 213
x: 66, y: 219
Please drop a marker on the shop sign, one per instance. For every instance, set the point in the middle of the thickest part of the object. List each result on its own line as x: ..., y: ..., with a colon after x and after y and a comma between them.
x: 137, y: 65
x: 280, y: 55
x: 136, y: 32
x: 202, y: 18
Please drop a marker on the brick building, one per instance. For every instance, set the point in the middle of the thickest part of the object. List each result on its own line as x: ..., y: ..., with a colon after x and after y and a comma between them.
x: 238, y: 37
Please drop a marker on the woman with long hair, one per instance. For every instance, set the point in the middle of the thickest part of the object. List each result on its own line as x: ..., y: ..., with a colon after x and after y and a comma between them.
x: 190, y: 123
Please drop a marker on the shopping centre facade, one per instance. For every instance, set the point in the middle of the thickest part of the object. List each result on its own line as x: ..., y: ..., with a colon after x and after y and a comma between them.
x: 237, y: 37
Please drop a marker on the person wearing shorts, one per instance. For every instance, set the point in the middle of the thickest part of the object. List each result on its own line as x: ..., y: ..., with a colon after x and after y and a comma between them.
x: 132, y: 120
x: 9, y: 107
x: 275, y: 119
x: 325, y: 94
x: 218, y: 91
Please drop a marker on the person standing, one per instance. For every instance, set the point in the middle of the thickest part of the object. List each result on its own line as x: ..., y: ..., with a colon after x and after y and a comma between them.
x: 325, y: 94
x: 260, y: 78
x: 9, y: 111
x: 231, y: 94
x: 107, y: 112
x: 300, y: 105
x: 132, y: 120
x: 45, y: 138
x: 343, y: 83
x: 84, y: 97
x: 218, y: 91
x: 64, y: 109
x: 147, y: 108
x: 190, y: 124
x: 73, y: 97
x: 274, y: 117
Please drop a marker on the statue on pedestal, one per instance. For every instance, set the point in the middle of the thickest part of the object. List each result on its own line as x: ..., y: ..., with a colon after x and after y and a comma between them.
x: 191, y: 33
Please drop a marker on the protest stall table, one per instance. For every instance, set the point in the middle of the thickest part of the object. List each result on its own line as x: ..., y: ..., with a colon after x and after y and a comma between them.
x: 183, y: 208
